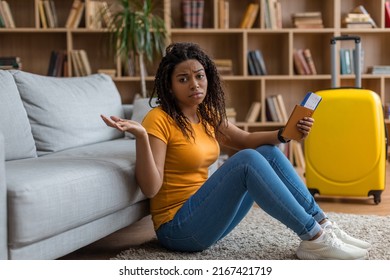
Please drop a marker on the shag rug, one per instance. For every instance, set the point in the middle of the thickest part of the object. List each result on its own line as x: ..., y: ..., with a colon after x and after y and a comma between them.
x: 259, y: 236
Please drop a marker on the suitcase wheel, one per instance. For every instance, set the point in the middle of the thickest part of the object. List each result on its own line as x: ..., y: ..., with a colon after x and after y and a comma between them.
x: 377, y: 196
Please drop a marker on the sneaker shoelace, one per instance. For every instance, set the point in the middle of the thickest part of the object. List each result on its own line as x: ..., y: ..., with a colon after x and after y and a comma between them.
x: 331, y: 238
x: 338, y: 231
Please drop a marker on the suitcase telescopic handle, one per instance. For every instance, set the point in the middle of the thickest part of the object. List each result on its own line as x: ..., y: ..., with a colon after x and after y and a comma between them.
x: 356, y: 57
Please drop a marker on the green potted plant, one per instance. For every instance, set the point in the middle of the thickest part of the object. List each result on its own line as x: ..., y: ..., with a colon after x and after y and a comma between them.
x: 136, y: 29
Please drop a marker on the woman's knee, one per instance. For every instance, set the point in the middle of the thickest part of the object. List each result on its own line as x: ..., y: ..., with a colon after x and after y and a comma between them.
x: 248, y: 155
x: 268, y: 151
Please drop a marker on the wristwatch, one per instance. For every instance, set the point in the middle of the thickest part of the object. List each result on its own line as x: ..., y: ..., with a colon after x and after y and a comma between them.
x: 280, y: 137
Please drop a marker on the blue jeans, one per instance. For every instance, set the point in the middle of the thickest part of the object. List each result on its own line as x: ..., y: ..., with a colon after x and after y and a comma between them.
x: 264, y: 176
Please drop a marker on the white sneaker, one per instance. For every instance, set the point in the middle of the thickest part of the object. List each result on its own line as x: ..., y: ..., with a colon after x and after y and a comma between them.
x: 329, y: 247
x: 343, y: 236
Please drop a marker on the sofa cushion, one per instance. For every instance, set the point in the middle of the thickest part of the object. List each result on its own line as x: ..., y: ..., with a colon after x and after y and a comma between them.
x: 60, y: 191
x: 65, y: 112
x: 14, y: 124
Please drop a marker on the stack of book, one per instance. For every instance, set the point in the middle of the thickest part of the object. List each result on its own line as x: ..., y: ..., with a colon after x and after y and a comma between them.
x: 307, y: 20
x: 192, y: 13
x: 250, y: 15
x: 10, y: 62
x: 6, y: 17
x: 379, y: 69
x: 48, y: 14
x: 359, y: 18
x: 224, y: 66
x: 256, y: 64
x: 303, y: 62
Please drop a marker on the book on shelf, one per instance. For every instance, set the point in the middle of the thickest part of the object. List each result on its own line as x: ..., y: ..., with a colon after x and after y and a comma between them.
x: 57, y: 64
x: 98, y: 14
x: 270, y: 109
x: 303, y: 62
x: 360, y: 9
x: 10, y: 62
x: 250, y: 15
x: 50, y: 13
x: 106, y: 14
x: 272, y: 11
x: 224, y: 66
x: 192, y: 13
x: 353, y: 20
x: 259, y: 58
x: 297, y: 153
x: 47, y: 14
x: 345, y: 61
x: 251, y: 65
x: 6, y: 15
x: 282, y: 106
x: 277, y: 108
x: 387, y: 14
x: 379, y: 69
x: 348, y: 61
x: 42, y: 15
x: 223, y: 14
x: 2, y: 18
x: 75, y: 14
x: 300, y: 65
x: 54, y: 12
x: 307, y: 20
x: 310, y: 61
x: 253, y: 112
x: 93, y: 15
x: 305, y: 109
x: 80, y: 63
x: 256, y: 64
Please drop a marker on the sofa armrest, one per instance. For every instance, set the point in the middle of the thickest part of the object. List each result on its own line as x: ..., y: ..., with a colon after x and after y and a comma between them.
x: 3, y: 203
x: 128, y: 110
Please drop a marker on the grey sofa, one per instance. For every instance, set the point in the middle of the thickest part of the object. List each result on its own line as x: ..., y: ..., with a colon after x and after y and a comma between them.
x: 66, y: 179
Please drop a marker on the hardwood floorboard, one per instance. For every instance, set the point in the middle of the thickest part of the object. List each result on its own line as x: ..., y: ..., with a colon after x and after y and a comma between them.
x: 142, y: 231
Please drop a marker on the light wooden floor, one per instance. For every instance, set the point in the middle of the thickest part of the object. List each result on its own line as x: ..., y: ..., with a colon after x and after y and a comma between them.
x: 142, y: 231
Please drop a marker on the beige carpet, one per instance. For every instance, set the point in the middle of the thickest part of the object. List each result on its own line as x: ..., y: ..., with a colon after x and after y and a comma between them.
x: 259, y: 236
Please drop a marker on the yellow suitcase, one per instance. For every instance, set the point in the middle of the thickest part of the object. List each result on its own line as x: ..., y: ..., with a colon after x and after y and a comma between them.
x: 346, y: 151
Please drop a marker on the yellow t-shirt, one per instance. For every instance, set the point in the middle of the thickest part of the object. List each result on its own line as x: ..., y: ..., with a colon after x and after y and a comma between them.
x: 186, y: 163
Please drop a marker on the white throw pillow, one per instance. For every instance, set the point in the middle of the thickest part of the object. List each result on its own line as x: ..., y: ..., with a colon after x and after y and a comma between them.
x: 65, y: 112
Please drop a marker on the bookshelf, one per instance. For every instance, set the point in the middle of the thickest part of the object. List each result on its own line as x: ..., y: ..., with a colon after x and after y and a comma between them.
x: 34, y: 44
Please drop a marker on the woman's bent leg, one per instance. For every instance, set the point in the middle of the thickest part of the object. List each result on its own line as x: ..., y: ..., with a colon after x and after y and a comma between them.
x: 221, y: 202
x: 291, y: 179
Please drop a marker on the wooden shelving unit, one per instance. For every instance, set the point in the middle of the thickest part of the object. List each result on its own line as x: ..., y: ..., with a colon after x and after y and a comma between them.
x: 34, y: 44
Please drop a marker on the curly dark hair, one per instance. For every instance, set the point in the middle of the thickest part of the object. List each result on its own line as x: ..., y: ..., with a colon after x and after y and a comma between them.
x: 212, y: 109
